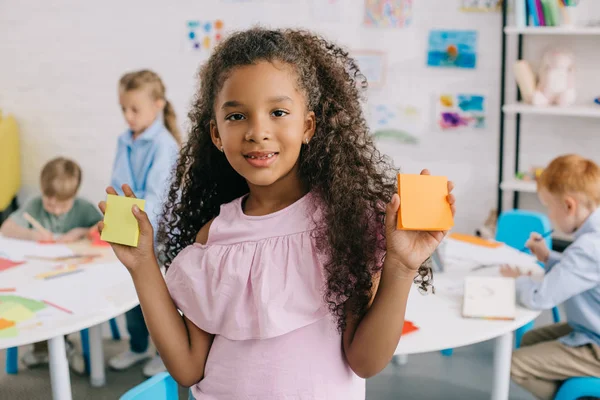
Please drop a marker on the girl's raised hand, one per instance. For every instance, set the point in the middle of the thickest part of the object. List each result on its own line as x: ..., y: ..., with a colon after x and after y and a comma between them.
x: 410, y: 249
x: 141, y: 256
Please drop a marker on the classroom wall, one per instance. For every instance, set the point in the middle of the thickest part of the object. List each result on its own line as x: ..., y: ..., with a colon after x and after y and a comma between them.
x: 61, y: 61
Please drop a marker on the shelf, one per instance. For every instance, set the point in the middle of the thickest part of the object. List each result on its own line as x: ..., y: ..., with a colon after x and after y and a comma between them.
x: 588, y: 111
x: 553, y: 30
x: 519, y: 186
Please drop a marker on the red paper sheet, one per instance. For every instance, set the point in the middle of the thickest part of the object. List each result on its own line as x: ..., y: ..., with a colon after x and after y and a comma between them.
x: 409, y: 327
x: 5, y: 263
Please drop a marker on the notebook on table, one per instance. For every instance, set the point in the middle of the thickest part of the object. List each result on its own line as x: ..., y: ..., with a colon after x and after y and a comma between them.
x: 489, y: 298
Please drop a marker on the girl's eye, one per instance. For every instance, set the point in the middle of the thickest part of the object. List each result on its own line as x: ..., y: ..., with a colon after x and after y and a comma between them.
x: 234, y: 117
x: 279, y: 113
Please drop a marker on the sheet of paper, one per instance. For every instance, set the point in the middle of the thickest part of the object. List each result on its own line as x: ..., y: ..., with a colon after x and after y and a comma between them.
x: 18, y: 250
x: 423, y: 203
x: 489, y: 298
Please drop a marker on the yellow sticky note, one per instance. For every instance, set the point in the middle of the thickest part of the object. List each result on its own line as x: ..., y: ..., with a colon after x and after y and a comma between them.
x: 120, y: 226
x: 17, y: 313
x: 423, y: 203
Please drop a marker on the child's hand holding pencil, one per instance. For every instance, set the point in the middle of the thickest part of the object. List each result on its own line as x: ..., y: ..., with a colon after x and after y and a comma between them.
x: 537, y: 245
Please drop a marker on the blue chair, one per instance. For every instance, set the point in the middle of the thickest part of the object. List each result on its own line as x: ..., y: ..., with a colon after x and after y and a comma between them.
x: 12, y: 354
x: 576, y: 388
x: 159, y: 387
x: 514, y: 228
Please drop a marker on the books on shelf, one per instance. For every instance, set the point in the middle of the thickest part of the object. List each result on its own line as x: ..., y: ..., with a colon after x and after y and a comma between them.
x: 544, y: 12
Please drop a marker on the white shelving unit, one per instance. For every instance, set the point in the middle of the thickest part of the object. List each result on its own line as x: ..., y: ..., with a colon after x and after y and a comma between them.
x: 515, y: 185
x: 553, y: 30
x: 519, y: 110
x: 584, y: 111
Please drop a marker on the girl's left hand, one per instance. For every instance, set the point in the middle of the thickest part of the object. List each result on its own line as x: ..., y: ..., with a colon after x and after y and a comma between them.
x: 411, y: 248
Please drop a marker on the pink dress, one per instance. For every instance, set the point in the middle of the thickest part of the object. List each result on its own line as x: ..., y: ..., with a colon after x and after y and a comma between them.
x: 257, y: 285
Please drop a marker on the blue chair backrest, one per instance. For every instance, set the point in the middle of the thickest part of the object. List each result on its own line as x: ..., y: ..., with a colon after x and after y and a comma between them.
x: 159, y: 387
x: 515, y: 226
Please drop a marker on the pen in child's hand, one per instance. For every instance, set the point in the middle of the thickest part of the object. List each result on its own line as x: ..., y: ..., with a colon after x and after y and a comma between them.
x: 540, y: 238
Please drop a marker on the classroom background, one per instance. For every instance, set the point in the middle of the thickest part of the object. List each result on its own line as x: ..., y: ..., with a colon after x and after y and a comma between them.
x: 60, y: 62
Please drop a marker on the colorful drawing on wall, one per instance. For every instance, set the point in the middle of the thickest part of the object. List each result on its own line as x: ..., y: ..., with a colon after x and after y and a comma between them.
x: 372, y: 64
x: 400, y: 123
x: 461, y: 111
x: 327, y: 10
x: 202, y: 36
x: 481, y: 5
x: 388, y: 13
x: 452, y: 49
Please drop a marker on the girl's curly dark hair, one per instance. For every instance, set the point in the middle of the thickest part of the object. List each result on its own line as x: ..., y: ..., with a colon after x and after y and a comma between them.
x: 341, y: 165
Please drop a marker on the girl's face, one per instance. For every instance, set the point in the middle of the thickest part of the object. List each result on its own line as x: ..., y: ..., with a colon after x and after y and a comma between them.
x: 139, y: 108
x: 261, y: 122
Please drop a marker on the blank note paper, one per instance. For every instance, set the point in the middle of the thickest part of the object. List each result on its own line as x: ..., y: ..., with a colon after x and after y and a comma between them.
x: 489, y: 298
x: 424, y: 203
x: 120, y: 226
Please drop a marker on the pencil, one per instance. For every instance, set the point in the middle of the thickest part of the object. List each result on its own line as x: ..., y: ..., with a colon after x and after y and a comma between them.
x: 36, y: 225
x: 544, y: 236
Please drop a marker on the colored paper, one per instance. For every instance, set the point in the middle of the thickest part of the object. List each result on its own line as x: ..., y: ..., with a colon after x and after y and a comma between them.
x: 9, y: 333
x: 32, y: 305
x: 4, y: 323
x: 203, y: 36
x: 120, y: 225
x: 372, y: 65
x: 16, y: 312
x: 388, y: 13
x: 5, y: 263
x: 452, y: 49
x: 96, y: 241
x: 423, y: 203
x: 461, y: 111
x: 397, y: 122
x: 474, y: 240
x: 409, y: 327
x: 481, y: 5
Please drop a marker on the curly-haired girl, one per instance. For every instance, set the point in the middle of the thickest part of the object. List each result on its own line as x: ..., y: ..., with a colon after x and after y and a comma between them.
x: 283, y: 256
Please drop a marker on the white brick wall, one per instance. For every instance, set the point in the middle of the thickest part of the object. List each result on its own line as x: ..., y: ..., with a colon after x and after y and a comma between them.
x: 60, y: 62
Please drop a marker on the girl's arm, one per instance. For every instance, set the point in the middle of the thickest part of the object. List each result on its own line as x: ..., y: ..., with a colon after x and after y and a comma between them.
x: 182, y: 345
x: 369, y: 342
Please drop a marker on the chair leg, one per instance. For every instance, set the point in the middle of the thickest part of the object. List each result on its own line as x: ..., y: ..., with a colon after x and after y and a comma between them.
x: 114, y: 328
x: 12, y: 360
x: 520, y: 332
x: 556, y: 315
x: 447, y: 352
x: 85, y: 347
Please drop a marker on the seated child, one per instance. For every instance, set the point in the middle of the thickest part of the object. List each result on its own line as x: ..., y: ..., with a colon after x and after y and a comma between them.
x: 570, y: 189
x: 60, y: 212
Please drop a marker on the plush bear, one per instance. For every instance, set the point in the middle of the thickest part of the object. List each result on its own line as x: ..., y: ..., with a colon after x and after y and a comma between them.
x: 556, y: 83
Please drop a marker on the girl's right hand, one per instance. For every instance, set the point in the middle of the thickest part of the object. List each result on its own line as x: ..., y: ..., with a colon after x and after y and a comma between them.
x: 142, y: 256
x: 538, y: 247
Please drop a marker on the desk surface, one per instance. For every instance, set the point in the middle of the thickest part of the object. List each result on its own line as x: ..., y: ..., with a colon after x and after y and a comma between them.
x: 438, y: 316
x: 46, y: 308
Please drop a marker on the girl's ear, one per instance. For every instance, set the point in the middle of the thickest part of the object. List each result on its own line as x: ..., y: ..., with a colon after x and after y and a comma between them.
x: 214, y: 134
x: 160, y: 104
x: 310, y: 124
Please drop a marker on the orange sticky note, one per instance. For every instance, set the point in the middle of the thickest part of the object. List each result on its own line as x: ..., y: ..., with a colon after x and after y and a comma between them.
x: 423, y: 203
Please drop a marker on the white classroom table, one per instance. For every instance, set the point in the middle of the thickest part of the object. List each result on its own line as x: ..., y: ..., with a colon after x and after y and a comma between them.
x: 102, y: 291
x: 439, y: 319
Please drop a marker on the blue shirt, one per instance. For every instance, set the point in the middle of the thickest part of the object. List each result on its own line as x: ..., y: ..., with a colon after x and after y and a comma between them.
x: 572, y: 278
x: 145, y: 164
